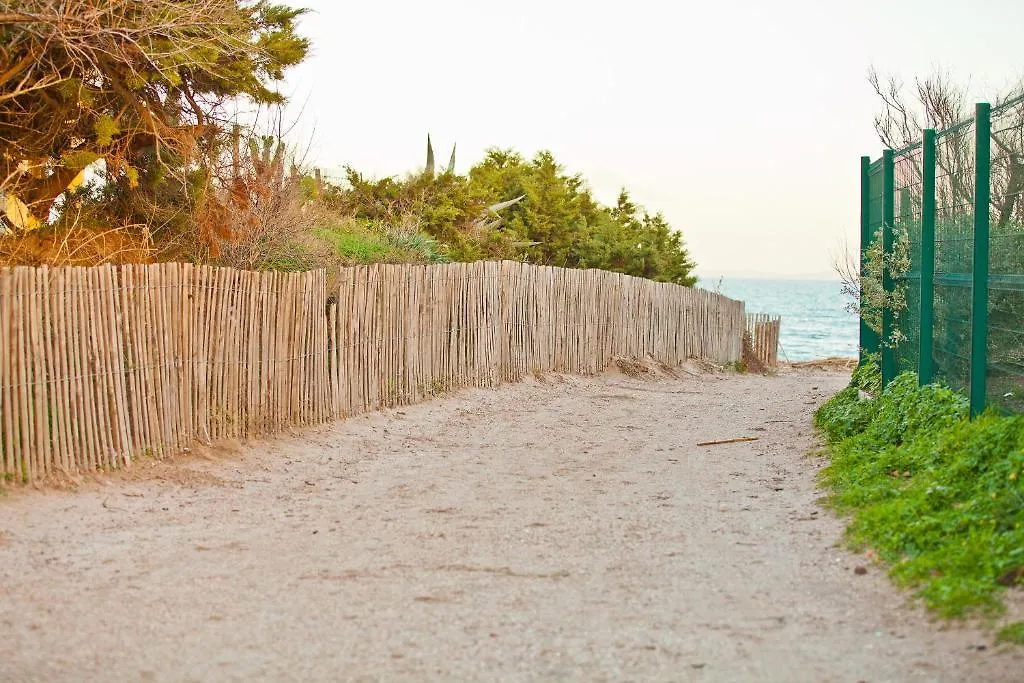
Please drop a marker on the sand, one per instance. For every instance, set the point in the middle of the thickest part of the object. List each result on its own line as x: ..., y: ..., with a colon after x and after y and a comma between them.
x: 562, y: 529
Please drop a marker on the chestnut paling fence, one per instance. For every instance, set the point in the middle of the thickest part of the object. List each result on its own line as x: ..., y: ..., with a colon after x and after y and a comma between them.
x: 102, y: 365
x: 763, y: 337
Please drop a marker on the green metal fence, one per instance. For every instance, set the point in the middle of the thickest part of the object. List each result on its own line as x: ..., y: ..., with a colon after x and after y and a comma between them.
x: 949, y: 210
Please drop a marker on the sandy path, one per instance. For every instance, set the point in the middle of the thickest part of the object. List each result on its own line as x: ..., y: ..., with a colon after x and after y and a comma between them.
x: 560, y: 530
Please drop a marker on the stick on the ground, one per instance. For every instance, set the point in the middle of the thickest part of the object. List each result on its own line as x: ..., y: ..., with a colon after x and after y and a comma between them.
x: 736, y: 440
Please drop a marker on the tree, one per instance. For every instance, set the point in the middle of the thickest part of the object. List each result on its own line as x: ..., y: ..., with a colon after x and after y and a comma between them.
x: 446, y: 207
x: 511, y: 208
x: 132, y: 83
x: 563, y: 225
x: 557, y: 211
x: 939, y: 103
x: 632, y: 241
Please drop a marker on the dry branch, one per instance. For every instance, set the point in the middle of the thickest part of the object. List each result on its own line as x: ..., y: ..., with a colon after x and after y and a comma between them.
x: 740, y: 439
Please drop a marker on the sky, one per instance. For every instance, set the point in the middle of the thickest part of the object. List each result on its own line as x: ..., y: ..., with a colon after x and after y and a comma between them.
x: 742, y: 122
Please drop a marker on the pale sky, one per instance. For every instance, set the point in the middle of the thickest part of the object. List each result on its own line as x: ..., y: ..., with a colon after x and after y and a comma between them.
x: 743, y: 122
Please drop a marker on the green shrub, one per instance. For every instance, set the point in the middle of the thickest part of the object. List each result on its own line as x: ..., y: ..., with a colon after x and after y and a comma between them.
x: 511, y: 207
x: 937, y: 496
x: 868, y: 375
x: 844, y: 415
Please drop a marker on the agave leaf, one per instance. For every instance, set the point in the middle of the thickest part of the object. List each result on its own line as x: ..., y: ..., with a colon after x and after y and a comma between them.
x: 451, y: 162
x: 429, y: 168
x: 484, y: 224
x: 495, y: 208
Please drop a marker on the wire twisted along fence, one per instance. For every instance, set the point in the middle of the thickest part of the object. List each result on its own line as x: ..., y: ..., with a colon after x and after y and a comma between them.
x: 99, y: 366
x: 953, y: 202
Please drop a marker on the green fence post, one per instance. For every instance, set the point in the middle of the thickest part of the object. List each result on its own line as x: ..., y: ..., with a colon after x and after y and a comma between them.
x: 868, y: 337
x: 925, y: 360
x: 979, y: 299
x: 888, y: 221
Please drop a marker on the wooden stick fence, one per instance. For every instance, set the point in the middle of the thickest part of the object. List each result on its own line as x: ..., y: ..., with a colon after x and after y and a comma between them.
x: 102, y: 365
x: 763, y: 332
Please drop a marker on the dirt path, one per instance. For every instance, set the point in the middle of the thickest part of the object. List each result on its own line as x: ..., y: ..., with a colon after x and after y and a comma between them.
x: 560, y: 530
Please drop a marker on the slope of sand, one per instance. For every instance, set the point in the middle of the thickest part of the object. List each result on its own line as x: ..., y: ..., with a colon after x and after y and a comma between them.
x: 564, y: 529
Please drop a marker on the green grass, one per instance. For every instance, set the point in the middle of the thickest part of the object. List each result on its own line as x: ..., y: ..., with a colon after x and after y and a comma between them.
x: 1012, y: 633
x: 938, y: 497
x: 364, y: 242
x: 358, y: 247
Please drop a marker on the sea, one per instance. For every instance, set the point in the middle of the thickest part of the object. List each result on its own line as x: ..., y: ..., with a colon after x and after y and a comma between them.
x: 815, y: 320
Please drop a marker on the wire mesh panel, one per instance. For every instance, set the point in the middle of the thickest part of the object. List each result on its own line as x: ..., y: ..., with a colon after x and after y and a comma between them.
x: 874, y: 225
x: 1005, y: 369
x: 907, y: 203
x: 973, y: 172
x: 954, y: 255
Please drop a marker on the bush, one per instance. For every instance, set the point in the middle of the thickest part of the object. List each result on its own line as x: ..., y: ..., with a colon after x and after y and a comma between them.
x: 509, y: 207
x: 937, y: 496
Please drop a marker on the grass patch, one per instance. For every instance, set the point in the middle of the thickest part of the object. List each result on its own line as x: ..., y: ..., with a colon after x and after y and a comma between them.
x: 938, y: 497
x: 1012, y: 633
x: 357, y: 247
x: 363, y: 242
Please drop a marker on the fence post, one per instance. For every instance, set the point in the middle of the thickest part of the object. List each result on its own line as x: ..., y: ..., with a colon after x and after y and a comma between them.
x: 925, y: 351
x: 979, y: 299
x: 868, y: 337
x: 888, y: 222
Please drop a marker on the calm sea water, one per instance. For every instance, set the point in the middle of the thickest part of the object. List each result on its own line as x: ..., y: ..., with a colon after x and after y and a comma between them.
x: 815, y: 322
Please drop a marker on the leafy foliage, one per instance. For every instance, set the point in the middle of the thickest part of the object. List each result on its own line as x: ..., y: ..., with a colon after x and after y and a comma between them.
x: 868, y: 375
x: 508, y: 207
x: 938, y: 496
x: 143, y: 87
x: 137, y: 84
x: 867, y: 296
x: 443, y: 206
